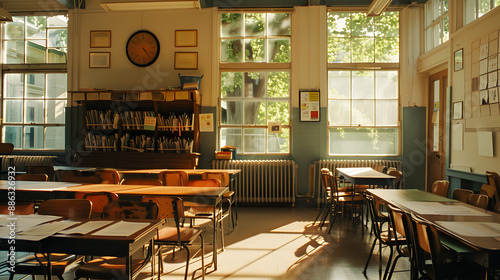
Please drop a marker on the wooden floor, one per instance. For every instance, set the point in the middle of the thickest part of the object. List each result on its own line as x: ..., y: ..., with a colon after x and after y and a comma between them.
x: 282, y: 243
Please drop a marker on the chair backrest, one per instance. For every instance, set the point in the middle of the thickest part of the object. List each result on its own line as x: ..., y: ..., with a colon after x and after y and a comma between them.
x: 22, y: 208
x: 6, y: 148
x: 41, y: 169
x: 67, y: 208
x: 494, y: 180
x: 372, y: 208
x: 440, y: 187
x: 496, y: 208
x: 98, y: 199
x: 124, y: 209
x: 223, y: 177
x: 389, y: 169
x: 141, y: 181
x: 478, y: 200
x: 76, y: 177
x: 32, y: 177
x: 398, y: 174
x: 401, y: 222
x: 108, y: 176
x: 380, y: 168
x: 166, y: 206
x: 204, y: 183
x: 461, y: 194
x: 488, y: 190
x: 173, y: 177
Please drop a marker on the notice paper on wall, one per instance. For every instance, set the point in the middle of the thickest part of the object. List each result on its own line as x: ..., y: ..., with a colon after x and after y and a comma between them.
x: 309, y: 106
x: 207, y: 122
x: 457, y: 141
x: 485, y: 143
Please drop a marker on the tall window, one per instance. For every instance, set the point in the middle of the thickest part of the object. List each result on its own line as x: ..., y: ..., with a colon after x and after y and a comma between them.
x: 34, y: 93
x: 255, y: 82
x: 437, y: 28
x: 474, y: 9
x: 363, y: 99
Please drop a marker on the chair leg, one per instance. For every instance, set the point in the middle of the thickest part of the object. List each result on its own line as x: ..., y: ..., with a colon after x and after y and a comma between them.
x: 188, y: 257
x: 370, y: 255
x: 389, y: 275
x: 388, y: 262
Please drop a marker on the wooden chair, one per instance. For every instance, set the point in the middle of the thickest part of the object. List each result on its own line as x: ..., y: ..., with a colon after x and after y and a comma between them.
x: 173, y: 177
x: 494, y: 180
x: 478, y: 200
x: 32, y: 177
x: 21, y: 208
x: 141, y: 181
x: 6, y: 148
x: 440, y: 187
x: 109, y: 267
x: 173, y: 208
x: 461, y: 194
x: 99, y: 200
x: 325, y: 212
x: 108, y: 176
x: 35, y: 264
x: 41, y: 169
x: 380, y: 168
x: 402, y: 233
x: 496, y: 208
x: 443, y: 263
x: 229, y: 196
x: 489, y: 191
x: 77, y: 177
x: 397, y: 181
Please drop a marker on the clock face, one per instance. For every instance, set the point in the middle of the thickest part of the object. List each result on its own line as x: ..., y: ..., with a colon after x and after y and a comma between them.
x: 143, y: 48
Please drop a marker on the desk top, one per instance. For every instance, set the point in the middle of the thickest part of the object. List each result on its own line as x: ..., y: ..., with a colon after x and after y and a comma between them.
x: 39, y: 186
x: 189, y: 171
x: 100, y: 188
x: 478, y: 228
x: 363, y: 173
x: 180, y: 191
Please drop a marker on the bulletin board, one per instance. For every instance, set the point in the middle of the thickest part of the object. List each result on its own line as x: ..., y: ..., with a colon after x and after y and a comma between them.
x: 309, y: 105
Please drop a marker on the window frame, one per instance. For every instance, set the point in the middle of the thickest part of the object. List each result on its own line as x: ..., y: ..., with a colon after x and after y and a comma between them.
x: 249, y: 67
x: 433, y: 23
x: 475, y: 13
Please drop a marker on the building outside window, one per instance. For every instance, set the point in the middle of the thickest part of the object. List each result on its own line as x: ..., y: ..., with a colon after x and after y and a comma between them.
x: 255, y: 82
x: 363, y: 95
x: 34, y: 82
x: 437, y: 27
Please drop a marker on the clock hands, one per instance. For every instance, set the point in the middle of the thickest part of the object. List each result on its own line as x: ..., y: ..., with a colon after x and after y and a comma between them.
x: 146, y: 52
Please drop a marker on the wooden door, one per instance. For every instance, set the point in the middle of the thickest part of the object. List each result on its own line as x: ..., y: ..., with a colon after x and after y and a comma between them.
x: 436, y: 127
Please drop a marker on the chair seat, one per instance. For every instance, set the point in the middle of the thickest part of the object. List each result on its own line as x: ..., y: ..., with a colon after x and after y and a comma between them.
x: 106, y: 268
x: 169, y: 234
x: 228, y: 194
x: 349, y: 198
x: 60, y: 263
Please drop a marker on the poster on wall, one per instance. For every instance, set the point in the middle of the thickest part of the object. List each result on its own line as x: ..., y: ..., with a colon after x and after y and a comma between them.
x: 309, y: 105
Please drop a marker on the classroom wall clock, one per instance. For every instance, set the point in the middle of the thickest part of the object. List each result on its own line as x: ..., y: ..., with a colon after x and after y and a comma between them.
x: 143, y: 48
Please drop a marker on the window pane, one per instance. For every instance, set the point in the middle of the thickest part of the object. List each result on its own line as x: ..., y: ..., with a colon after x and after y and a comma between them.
x: 387, y: 25
x: 278, y: 84
x: 56, y: 85
x: 279, y: 50
x: 13, y: 111
x: 278, y: 111
x: 339, y: 84
x: 339, y: 112
x: 255, y: 50
x: 254, y: 140
x: 13, y: 134
x: 231, y: 112
x: 231, y: 25
x: 14, y: 29
x: 57, y: 21
x: 363, y: 112
x: 387, y: 112
x: 55, y: 111
x: 57, y: 55
x: 54, y: 137
x: 36, y: 27
x: 483, y: 7
x: 231, y: 84
x: 279, y: 142
x: 387, y: 49
x: 278, y: 24
x: 13, y: 52
x: 362, y: 26
x: 362, y: 85
x: 469, y: 11
x: 33, y: 137
x: 231, y: 137
x: 255, y: 24
x: 339, y: 24
x: 231, y: 51
x: 363, y: 50
x: 35, y: 51
x: 255, y: 112
x: 428, y: 40
x: 58, y: 38
x: 34, y: 111
x: 436, y: 35
x: 255, y: 85
x: 339, y: 50
x: 386, y: 84
x: 364, y: 141
x: 446, y: 29
x: 14, y: 85
x: 35, y: 85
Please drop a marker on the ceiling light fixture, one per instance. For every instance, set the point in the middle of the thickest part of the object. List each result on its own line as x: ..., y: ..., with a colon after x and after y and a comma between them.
x: 4, y: 15
x: 377, y: 7
x: 150, y: 5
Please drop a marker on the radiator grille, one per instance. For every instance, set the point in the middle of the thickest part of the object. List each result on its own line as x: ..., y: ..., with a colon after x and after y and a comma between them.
x: 20, y: 162
x: 262, y: 181
x: 333, y: 164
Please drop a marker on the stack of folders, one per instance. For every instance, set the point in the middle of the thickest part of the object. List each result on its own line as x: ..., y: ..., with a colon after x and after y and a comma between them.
x: 135, y: 119
x: 173, y: 122
x: 193, y: 85
x: 100, y: 142
x: 176, y: 144
x: 139, y: 143
x: 97, y: 119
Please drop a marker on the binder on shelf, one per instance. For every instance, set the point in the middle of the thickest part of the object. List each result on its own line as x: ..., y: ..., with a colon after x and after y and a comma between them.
x: 106, y: 95
x: 92, y: 96
x: 146, y: 95
x: 182, y: 95
x: 78, y: 96
x: 117, y: 96
x: 158, y: 96
x: 169, y: 96
x: 132, y: 96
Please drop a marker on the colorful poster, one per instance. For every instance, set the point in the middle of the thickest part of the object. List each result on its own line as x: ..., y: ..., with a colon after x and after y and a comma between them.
x: 309, y: 106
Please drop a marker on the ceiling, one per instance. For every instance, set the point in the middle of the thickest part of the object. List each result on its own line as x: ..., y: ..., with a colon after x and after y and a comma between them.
x: 58, y: 5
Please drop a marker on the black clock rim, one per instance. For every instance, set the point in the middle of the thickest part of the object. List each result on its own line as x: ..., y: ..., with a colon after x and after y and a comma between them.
x: 154, y: 58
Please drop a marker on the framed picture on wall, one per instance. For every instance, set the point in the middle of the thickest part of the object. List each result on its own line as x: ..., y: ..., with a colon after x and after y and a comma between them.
x: 99, y: 60
x: 457, y: 110
x: 459, y: 60
x: 186, y: 38
x: 100, y: 39
x: 186, y: 60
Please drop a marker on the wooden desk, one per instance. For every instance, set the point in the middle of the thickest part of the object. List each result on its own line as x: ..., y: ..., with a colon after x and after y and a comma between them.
x: 430, y: 207
x: 366, y: 176
x: 37, y: 190
x: 189, y: 171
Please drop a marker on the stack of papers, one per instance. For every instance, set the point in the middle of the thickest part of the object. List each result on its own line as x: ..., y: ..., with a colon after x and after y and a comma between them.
x: 436, y: 208
x: 476, y: 229
x: 121, y: 228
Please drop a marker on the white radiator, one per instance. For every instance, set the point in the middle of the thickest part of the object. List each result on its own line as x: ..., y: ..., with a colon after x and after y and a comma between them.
x: 332, y: 164
x: 20, y: 162
x: 262, y: 181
